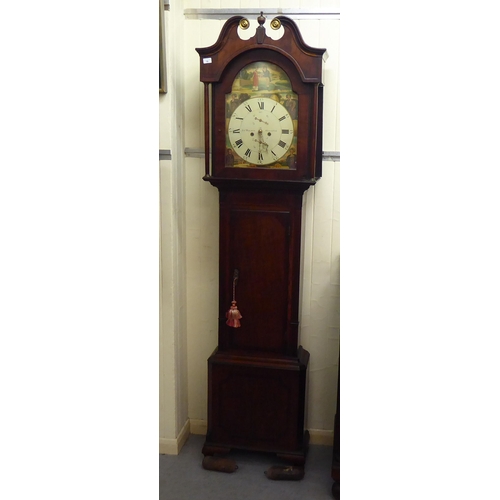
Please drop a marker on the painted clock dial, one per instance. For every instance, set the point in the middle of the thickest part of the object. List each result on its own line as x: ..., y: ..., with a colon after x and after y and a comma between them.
x: 261, y: 119
x: 261, y: 132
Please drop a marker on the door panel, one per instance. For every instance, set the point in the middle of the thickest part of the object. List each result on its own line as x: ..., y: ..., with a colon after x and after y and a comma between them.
x: 260, y: 251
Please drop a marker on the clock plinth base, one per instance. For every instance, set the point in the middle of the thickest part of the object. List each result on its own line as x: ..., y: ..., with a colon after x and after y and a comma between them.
x: 295, y: 458
x: 257, y: 404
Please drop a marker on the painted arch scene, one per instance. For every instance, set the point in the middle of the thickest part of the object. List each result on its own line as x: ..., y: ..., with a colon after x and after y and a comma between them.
x: 265, y: 81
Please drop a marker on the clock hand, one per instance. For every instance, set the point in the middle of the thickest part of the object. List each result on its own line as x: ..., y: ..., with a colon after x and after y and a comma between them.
x: 261, y: 121
x: 261, y: 141
x: 259, y: 133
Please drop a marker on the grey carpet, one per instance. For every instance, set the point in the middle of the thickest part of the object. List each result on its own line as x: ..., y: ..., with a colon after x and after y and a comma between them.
x: 183, y: 478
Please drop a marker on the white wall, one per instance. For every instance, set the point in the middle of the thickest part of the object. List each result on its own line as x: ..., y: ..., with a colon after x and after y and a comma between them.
x: 173, y: 334
x: 190, y: 238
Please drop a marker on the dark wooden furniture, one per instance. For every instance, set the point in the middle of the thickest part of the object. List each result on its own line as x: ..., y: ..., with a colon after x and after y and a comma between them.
x: 266, y: 151
x: 336, y: 447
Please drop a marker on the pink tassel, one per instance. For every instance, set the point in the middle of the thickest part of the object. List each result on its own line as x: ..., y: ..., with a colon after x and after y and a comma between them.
x: 233, y: 316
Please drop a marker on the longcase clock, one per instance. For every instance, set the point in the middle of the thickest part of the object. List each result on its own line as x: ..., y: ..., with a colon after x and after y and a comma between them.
x: 263, y: 150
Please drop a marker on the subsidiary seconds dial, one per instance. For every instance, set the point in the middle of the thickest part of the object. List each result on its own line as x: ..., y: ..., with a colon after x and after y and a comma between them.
x: 261, y: 131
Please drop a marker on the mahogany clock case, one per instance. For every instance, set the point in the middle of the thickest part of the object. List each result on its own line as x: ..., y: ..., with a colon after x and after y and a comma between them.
x: 257, y: 376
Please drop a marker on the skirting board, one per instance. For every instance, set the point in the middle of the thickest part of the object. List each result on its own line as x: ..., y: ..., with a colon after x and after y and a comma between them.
x: 174, y: 446
x: 321, y: 437
x: 199, y: 427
